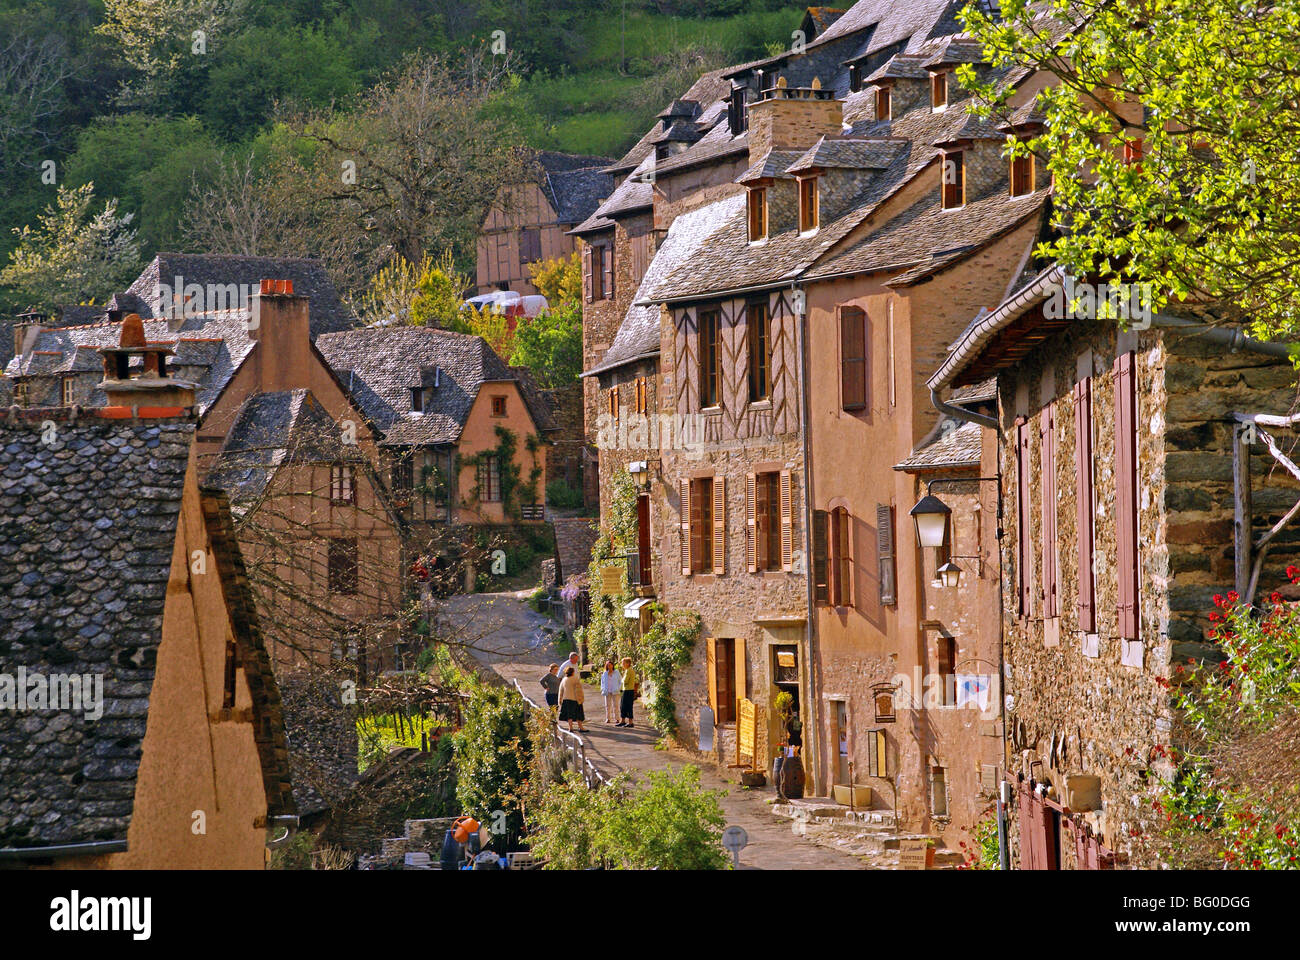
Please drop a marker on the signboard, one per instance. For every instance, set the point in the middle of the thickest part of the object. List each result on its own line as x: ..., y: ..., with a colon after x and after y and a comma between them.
x: 746, y: 729
x: 914, y: 854
x: 611, y: 578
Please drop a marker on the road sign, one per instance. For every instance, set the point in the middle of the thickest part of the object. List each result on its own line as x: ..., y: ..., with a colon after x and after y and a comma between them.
x: 735, y: 839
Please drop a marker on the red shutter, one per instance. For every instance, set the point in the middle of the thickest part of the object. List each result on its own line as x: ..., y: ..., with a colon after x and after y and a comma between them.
x: 1047, y: 528
x: 1022, y: 515
x: 1084, y: 505
x: 1126, y: 519
x: 853, y: 358
x: 586, y: 273
x: 1027, y: 846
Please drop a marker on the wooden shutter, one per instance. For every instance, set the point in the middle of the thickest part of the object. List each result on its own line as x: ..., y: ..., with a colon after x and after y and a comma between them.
x: 1047, y: 529
x: 586, y: 273
x: 751, y: 523
x: 1085, y: 508
x: 684, y: 493
x: 711, y: 669
x: 885, y: 553
x: 1126, y: 494
x: 877, y: 754
x: 607, y: 263
x: 787, y: 521
x: 1022, y: 515
x: 853, y: 358
x: 1027, y: 845
x: 719, y: 526
x: 742, y: 679
x: 821, y: 583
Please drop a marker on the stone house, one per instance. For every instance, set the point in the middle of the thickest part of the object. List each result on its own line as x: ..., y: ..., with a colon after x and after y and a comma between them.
x: 157, y: 739
x: 1128, y: 502
x: 529, y: 220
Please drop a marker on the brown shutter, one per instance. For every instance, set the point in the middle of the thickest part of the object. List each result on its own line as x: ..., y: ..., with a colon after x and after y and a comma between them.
x: 1083, y: 495
x: 1022, y: 515
x: 719, y: 525
x: 885, y: 552
x: 711, y: 669
x: 1126, y: 495
x: 607, y: 262
x: 684, y: 491
x: 742, y: 680
x: 787, y: 521
x: 751, y: 525
x: 586, y: 273
x: 1047, y: 530
x: 853, y: 358
x: 821, y: 584
x: 846, y: 559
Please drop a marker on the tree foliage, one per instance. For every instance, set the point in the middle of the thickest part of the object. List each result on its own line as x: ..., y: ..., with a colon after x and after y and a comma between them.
x: 1209, y: 92
x: 493, y: 752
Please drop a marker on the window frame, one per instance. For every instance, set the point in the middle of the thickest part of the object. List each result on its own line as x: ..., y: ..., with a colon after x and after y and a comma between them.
x: 884, y: 96
x: 809, y: 205
x: 342, y: 562
x: 710, y: 358
x: 756, y: 204
x: 758, y: 337
x: 68, y: 391
x: 343, y: 483
x: 952, y: 194
x: 938, y: 90
x: 498, y: 405
x: 489, y: 479
x: 1022, y: 172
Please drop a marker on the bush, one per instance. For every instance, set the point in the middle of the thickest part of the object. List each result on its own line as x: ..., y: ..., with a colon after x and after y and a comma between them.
x: 668, y: 822
x: 560, y: 494
x: 493, y: 750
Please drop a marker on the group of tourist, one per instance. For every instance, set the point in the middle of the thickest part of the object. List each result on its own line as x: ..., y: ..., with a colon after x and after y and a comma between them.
x: 565, y: 696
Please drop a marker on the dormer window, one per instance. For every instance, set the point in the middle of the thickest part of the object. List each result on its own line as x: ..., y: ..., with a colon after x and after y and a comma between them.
x: 22, y: 393
x: 757, y: 214
x: 737, y: 115
x: 1022, y: 175
x: 808, y: 204
x: 417, y: 399
x: 68, y: 391
x: 938, y: 90
x: 882, y: 103
x: 953, y: 193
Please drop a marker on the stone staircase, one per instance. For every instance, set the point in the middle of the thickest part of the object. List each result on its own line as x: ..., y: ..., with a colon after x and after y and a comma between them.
x: 871, y: 834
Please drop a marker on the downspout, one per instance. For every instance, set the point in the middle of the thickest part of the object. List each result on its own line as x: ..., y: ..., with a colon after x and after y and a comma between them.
x: 812, y: 708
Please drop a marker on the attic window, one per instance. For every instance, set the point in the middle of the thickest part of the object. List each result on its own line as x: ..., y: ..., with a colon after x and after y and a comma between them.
x: 68, y: 389
x: 953, y: 192
x: 855, y: 78
x: 498, y: 406
x: 939, y: 90
x: 417, y: 399
x: 1022, y: 175
x: 342, y: 483
x: 882, y: 103
x: 737, y: 115
x: 22, y: 393
x: 757, y: 214
x: 808, y: 204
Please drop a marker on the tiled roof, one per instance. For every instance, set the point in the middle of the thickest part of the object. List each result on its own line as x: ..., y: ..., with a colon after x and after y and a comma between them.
x: 915, y: 21
x: 270, y: 430
x: 575, y: 194
x: 771, y: 166
x: 854, y: 153
x: 87, y: 527
x: 574, y: 539
x: 957, y: 445
x: 902, y: 66
x: 632, y: 195
x: 708, y: 89
x: 380, y: 366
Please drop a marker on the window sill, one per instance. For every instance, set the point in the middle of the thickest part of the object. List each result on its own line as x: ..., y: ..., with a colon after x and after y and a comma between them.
x: 764, y: 404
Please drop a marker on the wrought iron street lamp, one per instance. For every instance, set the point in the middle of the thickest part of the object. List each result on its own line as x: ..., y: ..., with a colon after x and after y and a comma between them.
x: 931, y: 517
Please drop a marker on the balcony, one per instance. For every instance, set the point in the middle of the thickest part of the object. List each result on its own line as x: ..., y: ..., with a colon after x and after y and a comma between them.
x: 639, y: 580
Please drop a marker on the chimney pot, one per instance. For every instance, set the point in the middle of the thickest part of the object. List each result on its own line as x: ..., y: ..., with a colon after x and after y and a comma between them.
x: 132, y: 334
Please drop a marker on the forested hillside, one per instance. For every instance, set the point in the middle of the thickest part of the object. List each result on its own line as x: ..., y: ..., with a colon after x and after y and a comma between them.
x: 159, y: 103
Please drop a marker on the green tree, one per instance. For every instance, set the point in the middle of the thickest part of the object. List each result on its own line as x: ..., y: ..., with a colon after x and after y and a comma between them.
x: 74, y: 254
x: 558, y: 279
x: 493, y: 753
x: 1211, y: 90
x: 550, y: 345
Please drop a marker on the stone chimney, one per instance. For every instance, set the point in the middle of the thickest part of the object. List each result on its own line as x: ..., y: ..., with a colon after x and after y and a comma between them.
x: 27, y: 327
x: 792, y: 118
x: 280, y: 326
x: 151, y: 385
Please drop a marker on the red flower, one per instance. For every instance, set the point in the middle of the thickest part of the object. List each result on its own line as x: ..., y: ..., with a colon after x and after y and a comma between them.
x: 1218, y: 599
x: 1233, y: 596
x: 1293, y: 574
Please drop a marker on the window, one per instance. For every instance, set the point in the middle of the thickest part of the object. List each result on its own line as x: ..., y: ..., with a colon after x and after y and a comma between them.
x: 769, y: 535
x: 1022, y: 175
x: 489, y: 479
x: 642, y: 395
x: 1133, y: 152
x: 343, y: 565
x: 68, y: 391
x: 939, y: 90
x: 710, y: 359
x: 597, y: 272
x: 938, y: 792
x: 946, y: 668
x: 342, y: 488
x: 737, y: 114
x: 703, y: 525
x: 1022, y: 516
x: 613, y: 404
x: 820, y: 559
x: 530, y: 245
x: 885, y: 553
x: 606, y: 276
x: 841, y: 558
x: 758, y: 333
x: 954, y: 180
x: 417, y: 399
x: 722, y: 679
x: 498, y: 406
x: 853, y: 358
x: 1048, y: 586
x: 22, y: 393
x: 1085, y: 504
x: 840, y: 737
x: 882, y: 103
x: 403, y: 473
x: 855, y: 77
x: 1126, y: 510
x: 757, y: 214
x: 808, y: 204
x: 643, y: 539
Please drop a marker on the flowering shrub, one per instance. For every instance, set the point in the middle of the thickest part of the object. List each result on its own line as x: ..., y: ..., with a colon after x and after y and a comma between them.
x: 1234, y: 799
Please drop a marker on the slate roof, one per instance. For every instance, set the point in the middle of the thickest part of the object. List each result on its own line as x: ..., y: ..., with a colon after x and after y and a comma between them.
x: 269, y: 431
x: 380, y: 366
x: 853, y: 153
x: 574, y: 539
x: 710, y: 88
x: 575, y: 184
x: 958, y: 445
x: 630, y: 196
x: 773, y: 165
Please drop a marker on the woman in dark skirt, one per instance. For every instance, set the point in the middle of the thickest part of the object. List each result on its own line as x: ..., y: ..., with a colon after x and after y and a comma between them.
x: 571, y: 697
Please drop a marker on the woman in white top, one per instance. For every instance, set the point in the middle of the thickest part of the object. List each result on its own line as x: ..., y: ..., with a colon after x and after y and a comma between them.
x: 611, y: 686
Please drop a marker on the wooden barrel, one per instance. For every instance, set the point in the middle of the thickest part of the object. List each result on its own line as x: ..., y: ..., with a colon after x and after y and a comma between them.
x: 792, y: 778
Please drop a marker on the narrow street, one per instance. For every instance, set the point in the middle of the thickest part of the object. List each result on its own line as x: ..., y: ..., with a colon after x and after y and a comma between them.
x: 516, y: 643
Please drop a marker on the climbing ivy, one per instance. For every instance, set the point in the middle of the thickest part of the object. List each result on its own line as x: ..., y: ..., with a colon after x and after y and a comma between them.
x: 512, y: 485
x: 666, y: 648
